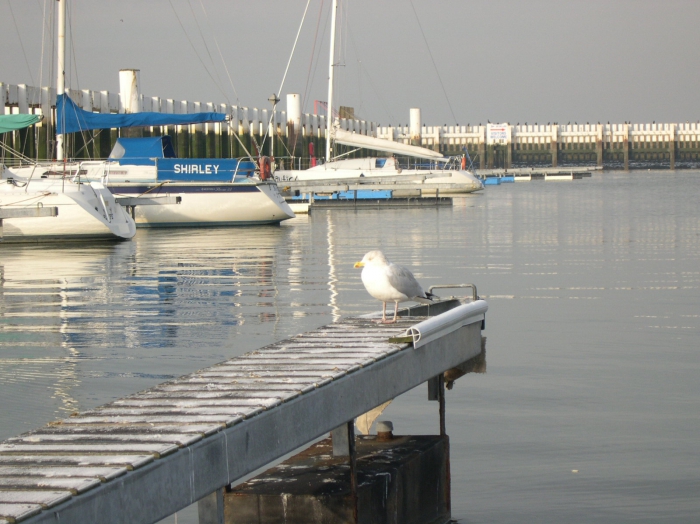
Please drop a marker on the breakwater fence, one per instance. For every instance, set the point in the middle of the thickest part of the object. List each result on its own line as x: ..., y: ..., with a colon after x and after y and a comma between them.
x: 610, y: 146
x: 297, y: 140
x: 292, y: 141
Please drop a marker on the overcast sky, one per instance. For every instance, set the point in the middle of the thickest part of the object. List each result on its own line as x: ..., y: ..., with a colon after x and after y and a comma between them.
x: 516, y: 61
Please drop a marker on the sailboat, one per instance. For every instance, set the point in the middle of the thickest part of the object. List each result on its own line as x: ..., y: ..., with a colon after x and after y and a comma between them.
x: 85, y: 211
x: 208, y: 191
x: 441, y: 172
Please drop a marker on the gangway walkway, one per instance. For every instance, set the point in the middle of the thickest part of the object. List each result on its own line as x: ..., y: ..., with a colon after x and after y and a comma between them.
x: 144, y: 457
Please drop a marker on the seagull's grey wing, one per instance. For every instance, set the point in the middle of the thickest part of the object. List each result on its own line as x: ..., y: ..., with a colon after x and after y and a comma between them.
x: 404, y: 281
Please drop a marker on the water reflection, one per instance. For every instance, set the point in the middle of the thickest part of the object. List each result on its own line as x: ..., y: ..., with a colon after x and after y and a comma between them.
x: 593, y: 289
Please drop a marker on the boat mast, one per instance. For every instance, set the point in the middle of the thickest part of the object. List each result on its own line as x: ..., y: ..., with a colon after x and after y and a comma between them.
x: 331, y: 65
x: 61, y: 80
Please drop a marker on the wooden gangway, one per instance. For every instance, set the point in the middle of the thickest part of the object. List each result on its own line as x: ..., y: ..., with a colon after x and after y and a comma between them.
x: 146, y: 456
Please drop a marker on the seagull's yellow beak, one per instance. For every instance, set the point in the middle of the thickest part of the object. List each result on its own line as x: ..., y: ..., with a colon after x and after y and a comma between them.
x: 359, y: 264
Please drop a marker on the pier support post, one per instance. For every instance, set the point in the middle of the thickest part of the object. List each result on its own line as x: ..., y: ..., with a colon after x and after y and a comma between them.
x: 481, y: 150
x: 343, y: 438
x: 599, y: 146
x: 436, y: 391
x: 626, y: 147
x: 554, y: 144
x: 672, y: 146
x: 508, y: 160
x: 210, y: 509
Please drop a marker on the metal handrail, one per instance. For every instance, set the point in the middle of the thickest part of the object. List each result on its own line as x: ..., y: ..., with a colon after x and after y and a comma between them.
x: 475, y: 296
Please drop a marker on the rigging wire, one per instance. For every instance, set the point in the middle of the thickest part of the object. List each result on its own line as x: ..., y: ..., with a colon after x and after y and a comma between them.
x: 311, y: 60
x: 433, y: 60
x: 86, y: 136
x: 364, y: 70
x: 44, y: 30
x: 284, y: 77
x: 19, y: 37
x: 206, y: 47
x: 195, y: 50
x: 216, y: 41
x: 323, y: 36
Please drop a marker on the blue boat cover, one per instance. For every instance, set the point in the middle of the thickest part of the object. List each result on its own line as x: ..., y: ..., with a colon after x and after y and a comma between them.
x: 72, y: 119
x: 142, y: 151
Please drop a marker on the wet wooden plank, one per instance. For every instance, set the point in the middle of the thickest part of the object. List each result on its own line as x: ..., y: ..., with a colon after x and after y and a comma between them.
x: 220, y: 400
x: 178, y: 439
x: 128, y: 429
x: 223, y: 377
x: 224, y: 420
x: 252, y: 384
x: 107, y: 438
x: 303, y: 359
x: 157, y: 411
x: 127, y: 461
x: 68, y: 472
x: 44, y: 498
x: 73, y: 485
x: 250, y: 395
x: 156, y: 449
x: 19, y: 511
x: 289, y: 367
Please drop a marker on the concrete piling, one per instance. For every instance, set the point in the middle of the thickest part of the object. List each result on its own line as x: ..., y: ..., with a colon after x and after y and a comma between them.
x: 415, y: 126
x: 130, y: 100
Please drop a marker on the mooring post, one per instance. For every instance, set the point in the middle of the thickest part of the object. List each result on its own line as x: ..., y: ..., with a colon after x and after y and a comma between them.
x: 481, y: 147
x: 343, y: 438
x: 626, y: 147
x: 441, y: 399
x: 433, y: 388
x: 554, y: 144
x: 443, y: 434
x: 672, y: 147
x: 210, y: 509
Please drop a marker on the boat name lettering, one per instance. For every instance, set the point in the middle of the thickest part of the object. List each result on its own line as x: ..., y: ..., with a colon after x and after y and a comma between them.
x: 206, y: 169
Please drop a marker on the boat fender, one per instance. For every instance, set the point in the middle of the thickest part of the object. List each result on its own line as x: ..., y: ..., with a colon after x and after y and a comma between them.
x: 265, y: 168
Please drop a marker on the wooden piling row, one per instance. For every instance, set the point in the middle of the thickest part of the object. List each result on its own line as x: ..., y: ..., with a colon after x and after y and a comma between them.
x: 489, y: 146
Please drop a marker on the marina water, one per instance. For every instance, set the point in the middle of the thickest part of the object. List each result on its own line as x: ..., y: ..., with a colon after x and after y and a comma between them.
x: 589, y: 408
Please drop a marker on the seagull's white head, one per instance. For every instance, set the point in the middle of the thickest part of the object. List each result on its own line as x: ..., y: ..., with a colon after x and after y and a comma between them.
x: 373, y: 258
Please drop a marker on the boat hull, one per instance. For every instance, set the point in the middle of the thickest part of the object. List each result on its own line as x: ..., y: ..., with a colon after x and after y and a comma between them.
x: 207, y: 204
x: 453, y: 181
x: 86, y: 212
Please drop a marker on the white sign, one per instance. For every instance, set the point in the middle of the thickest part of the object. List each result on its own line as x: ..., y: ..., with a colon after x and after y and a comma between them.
x: 497, y: 133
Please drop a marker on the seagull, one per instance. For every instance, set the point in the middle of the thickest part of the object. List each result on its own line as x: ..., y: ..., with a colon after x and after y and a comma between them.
x: 390, y: 282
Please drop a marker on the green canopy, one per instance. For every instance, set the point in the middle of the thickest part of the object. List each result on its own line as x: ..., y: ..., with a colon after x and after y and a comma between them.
x: 14, y: 122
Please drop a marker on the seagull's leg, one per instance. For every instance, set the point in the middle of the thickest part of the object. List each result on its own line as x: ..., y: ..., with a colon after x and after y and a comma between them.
x: 396, y: 309
x: 383, y: 311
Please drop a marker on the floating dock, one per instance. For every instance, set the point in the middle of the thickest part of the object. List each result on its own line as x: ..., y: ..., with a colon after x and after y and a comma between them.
x: 144, y: 457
